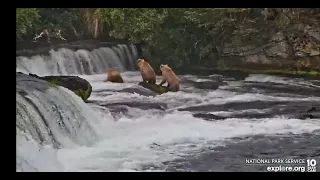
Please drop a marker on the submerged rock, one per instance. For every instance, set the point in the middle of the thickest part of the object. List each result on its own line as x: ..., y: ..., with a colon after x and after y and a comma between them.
x: 290, y: 111
x: 210, y: 84
x: 312, y: 113
x: 139, y: 90
x: 79, y: 86
x: 208, y: 116
x: 119, y: 106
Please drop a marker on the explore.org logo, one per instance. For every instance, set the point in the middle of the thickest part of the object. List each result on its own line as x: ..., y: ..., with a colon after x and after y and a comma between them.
x: 282, y: 168
x: 285, y: 165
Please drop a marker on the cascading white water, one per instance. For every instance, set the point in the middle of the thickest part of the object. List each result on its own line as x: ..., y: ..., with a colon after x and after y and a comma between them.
x: 50, y: 116
x: 51, y: 112
x: 67, y: 62
x: 57, y: 131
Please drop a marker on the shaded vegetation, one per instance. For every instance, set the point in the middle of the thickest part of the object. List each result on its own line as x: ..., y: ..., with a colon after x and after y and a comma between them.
x: 177, y: 36
x: 25, y: 19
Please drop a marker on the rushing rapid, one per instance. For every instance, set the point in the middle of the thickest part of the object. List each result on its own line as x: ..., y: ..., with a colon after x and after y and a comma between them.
x: 65, y: 61
x: 124, y: 127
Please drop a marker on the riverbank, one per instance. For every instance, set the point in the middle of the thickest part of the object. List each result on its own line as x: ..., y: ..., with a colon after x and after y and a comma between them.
x: 241, y: 73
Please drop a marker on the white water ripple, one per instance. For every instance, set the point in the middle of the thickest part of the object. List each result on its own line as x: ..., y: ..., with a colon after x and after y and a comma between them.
x: 143, y: 137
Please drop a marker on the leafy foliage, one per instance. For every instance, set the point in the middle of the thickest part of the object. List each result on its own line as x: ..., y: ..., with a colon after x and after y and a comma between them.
x: 34, y: 20
x: 188, y: 35
x: 134, y: 24
x: 25, y: 17
x: 178, y: 34
x: 64, y: 19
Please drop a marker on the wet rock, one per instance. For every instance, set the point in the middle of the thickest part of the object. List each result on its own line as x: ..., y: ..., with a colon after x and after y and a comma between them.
x: 313, y: 109
x: 258, y: 110
x: 140, y: 105
x: 138, y: 90
x: 212, y: 117
x: 283, y: 88
x: 232, y: 106
x: 154, y: 87
x: 79, y: 86
x: 208, y: 117
x: 215, y: 84
x: 312, y: 113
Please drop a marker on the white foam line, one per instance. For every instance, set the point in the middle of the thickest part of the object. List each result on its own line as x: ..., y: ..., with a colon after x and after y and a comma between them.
x: 128, y: 144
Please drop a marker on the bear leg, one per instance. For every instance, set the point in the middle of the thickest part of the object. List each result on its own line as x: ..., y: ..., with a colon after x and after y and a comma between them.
x: 162, y: 82
x: 152, y: 81
x: 174, y: 88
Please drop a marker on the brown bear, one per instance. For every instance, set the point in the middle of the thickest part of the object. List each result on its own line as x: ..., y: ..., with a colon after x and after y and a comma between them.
x: 147, y: 72
x: 170, y: 77
x: 114, y: 76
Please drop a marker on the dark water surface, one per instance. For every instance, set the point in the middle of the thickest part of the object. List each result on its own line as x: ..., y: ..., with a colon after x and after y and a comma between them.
x: 232, y: 157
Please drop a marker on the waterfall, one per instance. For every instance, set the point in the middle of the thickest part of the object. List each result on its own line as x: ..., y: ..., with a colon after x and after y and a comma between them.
x: 48, y: 112
x: 50, y: 116
x: 82, y: 62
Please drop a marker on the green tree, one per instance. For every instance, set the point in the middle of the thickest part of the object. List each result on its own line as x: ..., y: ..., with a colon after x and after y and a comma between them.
x: 67, y: 20
x: 25, y: 18
x: 134, y: 24
x: 179, y: 36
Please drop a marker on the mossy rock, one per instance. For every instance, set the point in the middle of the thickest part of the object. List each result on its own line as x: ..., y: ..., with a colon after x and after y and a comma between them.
x: 54, y: 82
x: 83, y: 94
x: 79, y: 86
x: 154, y: 87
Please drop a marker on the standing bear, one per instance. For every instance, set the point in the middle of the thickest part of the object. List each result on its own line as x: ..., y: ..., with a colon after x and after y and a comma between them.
x: 147, y: 72
x: 170, y: 77
x: 114, y: 76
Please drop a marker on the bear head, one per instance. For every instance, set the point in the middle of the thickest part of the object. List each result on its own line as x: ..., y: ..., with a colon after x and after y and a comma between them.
x: 164, y: 67
x: 140, y: 62
x: 111, y: 69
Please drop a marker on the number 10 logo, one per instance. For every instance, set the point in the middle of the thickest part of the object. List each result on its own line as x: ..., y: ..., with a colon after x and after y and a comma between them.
x: 311, y: 165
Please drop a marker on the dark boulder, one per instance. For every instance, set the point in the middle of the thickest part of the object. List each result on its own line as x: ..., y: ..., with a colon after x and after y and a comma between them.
x: 209, y: 84
x: 79, y: 86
